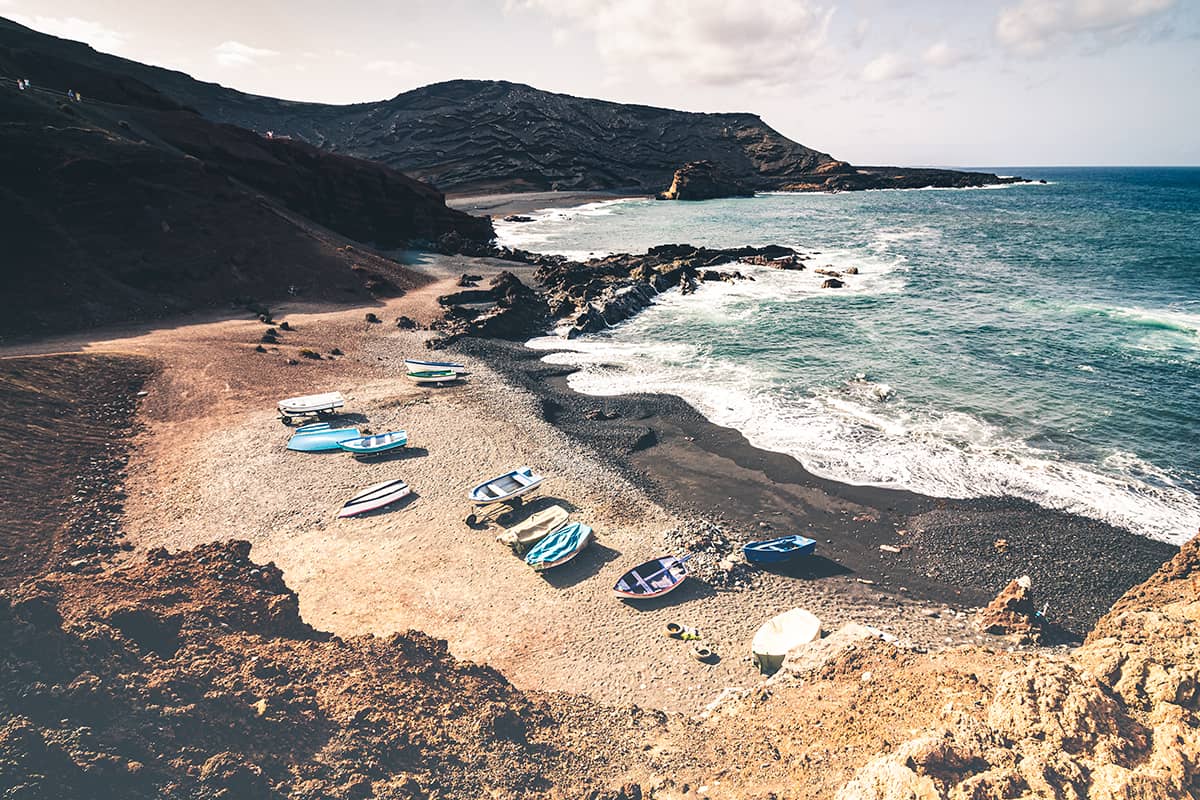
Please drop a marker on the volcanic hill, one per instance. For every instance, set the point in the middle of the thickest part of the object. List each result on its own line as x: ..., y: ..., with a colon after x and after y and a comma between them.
x: 475, y: 135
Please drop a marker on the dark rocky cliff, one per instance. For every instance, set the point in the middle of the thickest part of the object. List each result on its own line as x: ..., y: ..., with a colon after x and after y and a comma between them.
x: 130, y: 206
x: 470, y: 135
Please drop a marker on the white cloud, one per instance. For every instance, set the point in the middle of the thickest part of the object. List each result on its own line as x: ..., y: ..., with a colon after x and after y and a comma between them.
x: 941, y: 54
x: 1031, y: 26
x: 393, y: 69
x: 886, y: 67
x: 719, y: 42
x: 96, y: 34
x: 236, y: 54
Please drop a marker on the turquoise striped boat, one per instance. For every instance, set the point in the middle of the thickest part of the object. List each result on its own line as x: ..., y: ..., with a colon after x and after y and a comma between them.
x: 559, y: 547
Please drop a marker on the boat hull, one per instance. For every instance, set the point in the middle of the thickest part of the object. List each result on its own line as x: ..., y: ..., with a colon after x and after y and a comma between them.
x: 505, y: 487
x: 559, y: 547
x: 655, y: 578
x: 413, y: 365
x: 375, y: 497
x: 321, y: 440
x: 778, y: 551
x: 373, y: 445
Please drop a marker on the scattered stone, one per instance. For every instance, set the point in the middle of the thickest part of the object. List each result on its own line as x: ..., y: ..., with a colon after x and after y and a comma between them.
x: 832, y: 283
x: 850, y: 270
x: 260, y: 349
x: 716, y: 559
x: 313, y: 354
x: 284, y: 326
x: 372, y: 318
x: 518, y: 218
x: 406, y: 323
x: 337, y: 351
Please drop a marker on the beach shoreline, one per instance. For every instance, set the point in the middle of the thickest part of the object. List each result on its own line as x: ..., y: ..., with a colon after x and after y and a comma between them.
x: 952, y: 551
x: 524, y: 203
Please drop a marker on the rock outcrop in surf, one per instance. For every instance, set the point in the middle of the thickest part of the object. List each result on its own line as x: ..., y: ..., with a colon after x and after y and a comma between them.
x: 703, y: 180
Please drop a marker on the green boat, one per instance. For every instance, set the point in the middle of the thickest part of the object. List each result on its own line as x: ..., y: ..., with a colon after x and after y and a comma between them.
x: 433, y: 376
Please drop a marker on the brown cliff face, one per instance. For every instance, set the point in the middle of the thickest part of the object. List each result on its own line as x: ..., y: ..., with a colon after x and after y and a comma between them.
x: 1118, y: 718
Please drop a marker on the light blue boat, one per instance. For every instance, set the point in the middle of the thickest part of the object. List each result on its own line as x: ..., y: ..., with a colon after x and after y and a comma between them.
x: 560, y: 546
x: 320, y: 437
x: 373, y: 445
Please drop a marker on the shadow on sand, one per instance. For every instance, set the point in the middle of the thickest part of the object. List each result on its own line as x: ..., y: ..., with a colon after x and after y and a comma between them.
x: 516, y: 513
x: 581, y: 567
x: 334, y: 420
x: 691, y: 589
x: 808, y: 568
x: 399, y: 505
x: 399, y: 454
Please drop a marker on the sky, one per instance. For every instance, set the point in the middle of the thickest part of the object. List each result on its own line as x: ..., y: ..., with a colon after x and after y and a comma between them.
x: 976, y: 83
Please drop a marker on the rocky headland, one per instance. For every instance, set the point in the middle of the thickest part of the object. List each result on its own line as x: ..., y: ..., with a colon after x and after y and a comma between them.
x: 495, y: 136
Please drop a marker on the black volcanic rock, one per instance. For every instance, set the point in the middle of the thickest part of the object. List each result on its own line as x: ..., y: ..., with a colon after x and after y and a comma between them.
x: 704, y: 180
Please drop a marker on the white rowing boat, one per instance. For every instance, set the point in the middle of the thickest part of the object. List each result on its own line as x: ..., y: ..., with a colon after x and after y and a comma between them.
x: 373, y: 497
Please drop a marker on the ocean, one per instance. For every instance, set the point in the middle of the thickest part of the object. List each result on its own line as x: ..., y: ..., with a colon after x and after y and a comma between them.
x: 1040, y: 341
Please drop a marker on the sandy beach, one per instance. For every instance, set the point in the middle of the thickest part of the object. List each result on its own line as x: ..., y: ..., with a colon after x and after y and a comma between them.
x: 210, y: 464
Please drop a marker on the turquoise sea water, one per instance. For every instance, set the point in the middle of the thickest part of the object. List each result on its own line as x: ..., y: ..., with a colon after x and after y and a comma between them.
x: 1040, y: 341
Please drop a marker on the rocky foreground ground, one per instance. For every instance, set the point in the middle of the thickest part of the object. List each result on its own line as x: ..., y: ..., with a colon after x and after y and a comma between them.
x: 192, y: 674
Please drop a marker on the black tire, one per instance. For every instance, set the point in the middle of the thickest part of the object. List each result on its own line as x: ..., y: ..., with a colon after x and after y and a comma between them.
x: 471, y: 520
x: 286, y: 419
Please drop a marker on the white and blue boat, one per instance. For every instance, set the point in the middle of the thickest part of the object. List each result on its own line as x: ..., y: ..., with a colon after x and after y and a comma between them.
x: 320, y: 437
x: 559, y: 547
x: 778, y: 551
x: 375, y: 444
x: 413, y: 365
x: 509, y: 486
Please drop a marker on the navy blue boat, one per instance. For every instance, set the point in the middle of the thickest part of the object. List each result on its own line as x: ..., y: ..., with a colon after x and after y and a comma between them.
x: 777, y: 551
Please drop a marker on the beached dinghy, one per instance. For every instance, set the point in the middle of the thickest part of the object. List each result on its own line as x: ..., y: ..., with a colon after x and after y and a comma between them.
x: 433, y: 376
x: 320, y: 437
x: 310, y: 405
x: 373, y: 497
x: 376, y: 444
x: 778, y: 551
x: 413, y: 365
x: 521, y: 480
x: 559, y: 547
x: 533, y: 529
x: 652, y: 579
x: 780, y: 634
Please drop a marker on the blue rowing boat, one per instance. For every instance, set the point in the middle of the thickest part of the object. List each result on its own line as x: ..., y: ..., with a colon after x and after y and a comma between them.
x: 559, y: 547
x: 777, y: 551
x: 373, y: 445
x: 320, y: 437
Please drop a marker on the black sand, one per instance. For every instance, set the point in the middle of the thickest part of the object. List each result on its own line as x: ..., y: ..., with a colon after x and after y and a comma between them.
x: 960, y: 552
